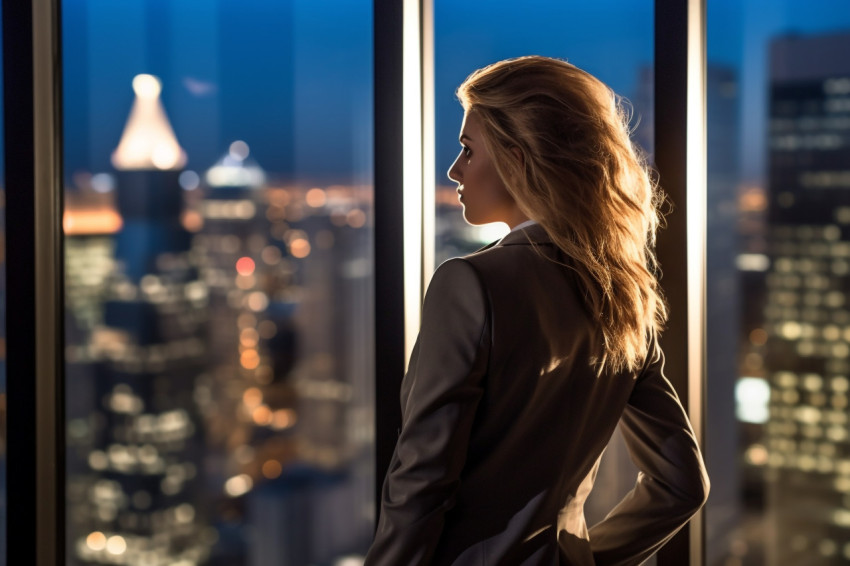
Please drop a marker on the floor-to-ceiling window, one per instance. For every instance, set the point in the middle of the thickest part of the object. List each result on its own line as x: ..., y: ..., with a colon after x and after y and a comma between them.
x: 778, y: 259
x: 218, y: 267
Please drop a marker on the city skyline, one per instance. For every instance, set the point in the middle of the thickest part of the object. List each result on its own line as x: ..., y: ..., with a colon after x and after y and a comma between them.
x: 300, y: 217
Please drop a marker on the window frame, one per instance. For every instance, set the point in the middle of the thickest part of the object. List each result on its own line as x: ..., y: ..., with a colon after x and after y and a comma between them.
x: 35, y: 399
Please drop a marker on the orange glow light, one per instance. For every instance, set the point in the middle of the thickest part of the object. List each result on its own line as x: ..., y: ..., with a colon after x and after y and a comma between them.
x: 284, y: 418
x: 96, y: 541
x: 249, y: 337
x: 356, y: 218
x: 315, y: 197
x: 752, y: 199
x: 250, y: 359
x: 272, y: 469
x: 262, y: 415
x: 245, y: 266
x: 299, y: 248
x: 252, y: 397
x: 91, y: 221
x: 192, y: 220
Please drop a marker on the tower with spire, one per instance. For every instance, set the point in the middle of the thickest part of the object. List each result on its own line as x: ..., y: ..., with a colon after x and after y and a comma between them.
x: 141, y: 503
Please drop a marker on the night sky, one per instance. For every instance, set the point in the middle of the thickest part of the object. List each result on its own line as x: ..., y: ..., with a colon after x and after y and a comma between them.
x: 294, y: 79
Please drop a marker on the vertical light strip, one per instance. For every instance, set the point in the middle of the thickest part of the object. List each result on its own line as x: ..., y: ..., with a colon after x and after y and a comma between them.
x: 696, y: 175
x: 429, y: 160
x: 412, y: 176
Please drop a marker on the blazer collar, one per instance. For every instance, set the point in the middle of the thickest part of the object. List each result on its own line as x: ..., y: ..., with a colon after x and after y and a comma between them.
x: 534, y: 234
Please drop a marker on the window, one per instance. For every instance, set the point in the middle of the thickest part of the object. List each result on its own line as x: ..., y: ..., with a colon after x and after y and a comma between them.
x: 778, y: 238
x: 219, y: 292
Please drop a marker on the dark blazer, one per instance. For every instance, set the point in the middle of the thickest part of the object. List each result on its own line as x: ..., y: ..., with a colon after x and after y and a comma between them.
x: 504, y: 421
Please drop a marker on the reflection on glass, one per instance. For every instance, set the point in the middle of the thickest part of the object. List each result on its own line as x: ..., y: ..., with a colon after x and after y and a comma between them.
x: 779, y: 246
x: 613, y: 41
x: 218, y: 283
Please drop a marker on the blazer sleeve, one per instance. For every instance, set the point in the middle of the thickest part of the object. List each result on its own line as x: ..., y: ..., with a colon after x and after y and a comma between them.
x: 672, y: 482
x: 440, y: 394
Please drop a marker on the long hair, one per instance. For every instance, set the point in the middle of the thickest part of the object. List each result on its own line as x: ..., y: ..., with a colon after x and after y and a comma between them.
x: 559, y: 138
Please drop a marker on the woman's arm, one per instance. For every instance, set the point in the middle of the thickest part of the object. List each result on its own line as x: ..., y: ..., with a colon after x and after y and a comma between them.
x: 440, y: 393
x: 672, y: 482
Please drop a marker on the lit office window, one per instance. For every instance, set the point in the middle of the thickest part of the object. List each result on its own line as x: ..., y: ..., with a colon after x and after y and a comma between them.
x: 219, y: 291
x: 778, y: 442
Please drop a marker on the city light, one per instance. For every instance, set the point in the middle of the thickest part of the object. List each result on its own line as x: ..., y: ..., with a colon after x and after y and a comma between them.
x: 238, y: 485
x: 272, y: 469
x: 252, y: 397
x: 148, y: 142
x: 147, y: 87
x: 245, y: 266
x: 752, y: 395
x: 96, y: 540
x: 283, y: 418
x: 116, y: 545
x: 299, y: 248
x: 315, y: 197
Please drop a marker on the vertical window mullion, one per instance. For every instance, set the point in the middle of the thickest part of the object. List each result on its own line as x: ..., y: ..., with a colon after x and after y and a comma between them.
x: 680, y: 157
x: 32, y: 87
x: 389, y: 244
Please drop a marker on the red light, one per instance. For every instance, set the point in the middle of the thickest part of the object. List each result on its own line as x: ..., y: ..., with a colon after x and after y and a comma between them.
x: 245, y: 266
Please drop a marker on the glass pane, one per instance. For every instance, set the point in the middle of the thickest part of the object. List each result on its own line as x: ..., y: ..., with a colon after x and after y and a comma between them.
x: 778, y: 447
x: 611, y: 39
x: 219, y: 291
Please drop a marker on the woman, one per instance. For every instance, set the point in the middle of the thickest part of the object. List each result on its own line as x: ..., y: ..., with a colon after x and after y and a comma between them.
x: 532, y: 350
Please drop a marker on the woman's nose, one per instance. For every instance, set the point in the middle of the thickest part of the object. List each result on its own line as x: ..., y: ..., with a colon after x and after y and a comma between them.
x: 453, y: 172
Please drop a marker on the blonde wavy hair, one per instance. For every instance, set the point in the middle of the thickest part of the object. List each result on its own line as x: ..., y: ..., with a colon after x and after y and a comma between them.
x: 584, y: 181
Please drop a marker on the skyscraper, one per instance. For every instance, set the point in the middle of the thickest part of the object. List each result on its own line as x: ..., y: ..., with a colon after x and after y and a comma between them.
x: 137, y: 501
x: 806, y: 314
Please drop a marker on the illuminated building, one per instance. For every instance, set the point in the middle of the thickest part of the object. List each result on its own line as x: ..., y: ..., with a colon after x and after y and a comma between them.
x: 806, y: 314
x: 283, y: 374
x: 140, y: 316
x: 244, y: 396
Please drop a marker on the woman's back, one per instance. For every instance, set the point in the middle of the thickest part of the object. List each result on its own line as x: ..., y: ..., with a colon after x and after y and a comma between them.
x: 544, y: 417
x: 505, y: 419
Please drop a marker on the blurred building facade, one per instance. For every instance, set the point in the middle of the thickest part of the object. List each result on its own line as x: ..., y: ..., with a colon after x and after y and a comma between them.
x: 218, y: 343
x: 806, y: 316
